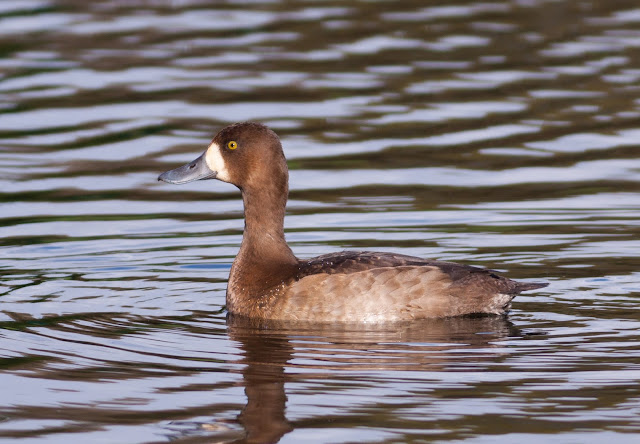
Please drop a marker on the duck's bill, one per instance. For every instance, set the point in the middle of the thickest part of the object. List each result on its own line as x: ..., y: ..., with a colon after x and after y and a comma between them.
x: 196, y: 170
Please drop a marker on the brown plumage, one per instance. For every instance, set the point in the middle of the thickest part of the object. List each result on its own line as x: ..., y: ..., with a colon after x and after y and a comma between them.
x: 268, y: 282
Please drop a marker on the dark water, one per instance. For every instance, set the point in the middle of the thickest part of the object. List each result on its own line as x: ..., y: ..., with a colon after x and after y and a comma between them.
x: 504, y: 134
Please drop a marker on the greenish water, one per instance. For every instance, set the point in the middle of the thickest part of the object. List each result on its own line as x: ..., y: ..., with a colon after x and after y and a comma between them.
x: 501, y: 134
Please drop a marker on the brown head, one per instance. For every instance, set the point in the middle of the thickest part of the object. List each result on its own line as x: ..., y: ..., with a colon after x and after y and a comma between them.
x: 248, y: 155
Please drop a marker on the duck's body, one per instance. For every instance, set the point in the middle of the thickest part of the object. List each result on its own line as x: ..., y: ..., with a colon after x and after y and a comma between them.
x: 268, y: 282
x: 372, y: 287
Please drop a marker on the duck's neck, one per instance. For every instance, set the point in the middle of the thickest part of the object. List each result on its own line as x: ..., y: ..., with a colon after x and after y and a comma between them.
x: 264, y: 260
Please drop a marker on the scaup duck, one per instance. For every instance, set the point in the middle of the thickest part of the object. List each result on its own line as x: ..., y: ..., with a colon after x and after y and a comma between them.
x: 267, y: 281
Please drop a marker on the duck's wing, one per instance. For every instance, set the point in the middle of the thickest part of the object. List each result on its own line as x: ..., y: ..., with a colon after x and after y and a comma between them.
x: 460, y: 276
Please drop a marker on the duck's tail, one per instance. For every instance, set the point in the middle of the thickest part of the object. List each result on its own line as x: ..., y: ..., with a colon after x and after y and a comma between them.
x: 526, y: 286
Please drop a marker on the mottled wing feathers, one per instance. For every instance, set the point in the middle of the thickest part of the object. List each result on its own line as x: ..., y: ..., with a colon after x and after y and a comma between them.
x: 353, y: 261
x: 347, y: 262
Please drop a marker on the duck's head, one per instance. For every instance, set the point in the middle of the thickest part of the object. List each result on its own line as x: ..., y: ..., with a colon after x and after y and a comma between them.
x: 244, y: 154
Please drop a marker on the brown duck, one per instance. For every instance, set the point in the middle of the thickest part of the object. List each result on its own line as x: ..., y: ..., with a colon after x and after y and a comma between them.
x: 268, y: 282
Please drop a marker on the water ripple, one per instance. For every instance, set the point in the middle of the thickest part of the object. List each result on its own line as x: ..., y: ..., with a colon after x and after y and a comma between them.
x: 499, y: 134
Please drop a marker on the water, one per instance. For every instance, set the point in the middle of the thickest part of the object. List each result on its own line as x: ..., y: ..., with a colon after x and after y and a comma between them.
x: 502, y: 134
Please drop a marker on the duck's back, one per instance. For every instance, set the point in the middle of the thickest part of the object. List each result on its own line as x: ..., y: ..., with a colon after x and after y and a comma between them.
x: 376, y: 287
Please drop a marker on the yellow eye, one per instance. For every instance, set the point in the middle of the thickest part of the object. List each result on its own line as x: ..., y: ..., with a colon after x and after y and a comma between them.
x: 232, y: 145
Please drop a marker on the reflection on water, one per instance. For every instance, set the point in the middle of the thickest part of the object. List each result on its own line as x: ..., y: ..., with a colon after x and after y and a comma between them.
x: 413, y: 348
x: 497, y: 134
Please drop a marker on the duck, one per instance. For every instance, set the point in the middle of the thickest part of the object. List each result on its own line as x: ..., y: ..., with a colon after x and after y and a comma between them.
x: 268, y: 282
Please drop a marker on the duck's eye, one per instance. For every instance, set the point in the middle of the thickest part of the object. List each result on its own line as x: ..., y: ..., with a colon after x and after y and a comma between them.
x: 232, y: 145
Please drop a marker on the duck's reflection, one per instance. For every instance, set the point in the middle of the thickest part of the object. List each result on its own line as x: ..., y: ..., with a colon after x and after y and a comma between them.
x: 270, y: 347
x: 263, y: 418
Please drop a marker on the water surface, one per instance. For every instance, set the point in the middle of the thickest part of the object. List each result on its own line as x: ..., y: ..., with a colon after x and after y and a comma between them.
x: 501, y: 134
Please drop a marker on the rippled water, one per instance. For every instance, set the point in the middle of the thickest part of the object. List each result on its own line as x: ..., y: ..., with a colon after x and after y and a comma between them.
x: 503, y: 134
